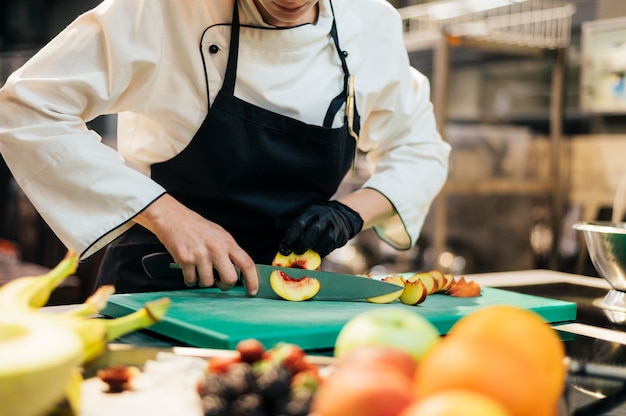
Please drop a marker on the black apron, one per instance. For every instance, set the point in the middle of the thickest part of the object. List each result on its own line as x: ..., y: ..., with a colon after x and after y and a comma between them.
x: 247, y: 169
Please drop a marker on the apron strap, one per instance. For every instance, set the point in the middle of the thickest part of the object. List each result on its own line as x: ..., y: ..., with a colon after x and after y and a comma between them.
x: 230, y: 76
x: 339, y: 100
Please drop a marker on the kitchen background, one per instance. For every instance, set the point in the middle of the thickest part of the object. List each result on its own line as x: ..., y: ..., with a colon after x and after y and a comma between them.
x: 524, y: 164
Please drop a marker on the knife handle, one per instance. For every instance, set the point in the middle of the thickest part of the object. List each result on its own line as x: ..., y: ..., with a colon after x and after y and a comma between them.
x: 158, y: 265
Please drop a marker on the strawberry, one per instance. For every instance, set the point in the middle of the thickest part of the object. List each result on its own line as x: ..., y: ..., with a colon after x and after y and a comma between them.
x: 292, y: 356
x: 220, y: 365
x: 250, y: 350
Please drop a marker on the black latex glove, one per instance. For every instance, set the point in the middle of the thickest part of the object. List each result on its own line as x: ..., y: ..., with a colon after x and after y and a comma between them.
x: 322, y: 227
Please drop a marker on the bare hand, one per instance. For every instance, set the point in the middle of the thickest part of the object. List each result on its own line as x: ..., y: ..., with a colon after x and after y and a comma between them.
x: 199, y: 246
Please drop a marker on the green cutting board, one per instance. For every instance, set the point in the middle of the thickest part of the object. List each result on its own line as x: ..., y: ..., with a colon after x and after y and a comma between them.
x: 210, y: 318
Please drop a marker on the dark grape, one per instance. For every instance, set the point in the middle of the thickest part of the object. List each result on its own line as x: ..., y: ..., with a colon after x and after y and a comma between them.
x: 213, y: 405
x: 274, y: 381
x: 248, y: 405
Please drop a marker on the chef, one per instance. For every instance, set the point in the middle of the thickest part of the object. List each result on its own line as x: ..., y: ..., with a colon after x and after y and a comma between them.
x: 237, y: 122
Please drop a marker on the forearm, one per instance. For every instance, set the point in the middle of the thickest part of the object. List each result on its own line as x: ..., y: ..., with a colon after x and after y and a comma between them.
x: 372, y: 206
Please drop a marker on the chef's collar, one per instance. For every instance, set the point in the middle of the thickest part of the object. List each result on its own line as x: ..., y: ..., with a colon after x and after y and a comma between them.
x: 250, y: 16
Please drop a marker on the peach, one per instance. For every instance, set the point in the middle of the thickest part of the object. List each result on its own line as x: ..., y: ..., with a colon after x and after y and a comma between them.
x: 292, y: 289
x: 380, y: 356
x: 390, y: 297
x: 414, y: 292
x: 363, y: 391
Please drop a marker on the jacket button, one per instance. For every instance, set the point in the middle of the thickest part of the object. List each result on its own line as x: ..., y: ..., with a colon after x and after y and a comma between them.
x: 214, y: 49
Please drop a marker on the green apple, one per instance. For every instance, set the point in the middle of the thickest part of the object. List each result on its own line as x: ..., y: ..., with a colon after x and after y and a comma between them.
x: 390, y: 326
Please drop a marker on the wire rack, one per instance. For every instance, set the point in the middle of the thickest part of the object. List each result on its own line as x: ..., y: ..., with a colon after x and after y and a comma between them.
x: 530, y: 23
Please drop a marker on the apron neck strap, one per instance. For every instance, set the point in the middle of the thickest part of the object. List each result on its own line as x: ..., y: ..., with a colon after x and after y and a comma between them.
x: 231, y: 69
x: 340, y: 99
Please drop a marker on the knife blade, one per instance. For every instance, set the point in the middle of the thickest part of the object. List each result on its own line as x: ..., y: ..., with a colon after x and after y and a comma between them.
x: 333, y: 286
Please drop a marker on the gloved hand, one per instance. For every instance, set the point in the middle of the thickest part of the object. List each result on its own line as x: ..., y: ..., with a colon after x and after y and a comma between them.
x: 322, y: 227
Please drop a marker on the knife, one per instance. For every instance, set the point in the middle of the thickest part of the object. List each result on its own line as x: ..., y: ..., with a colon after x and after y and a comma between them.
x: 333, y: 286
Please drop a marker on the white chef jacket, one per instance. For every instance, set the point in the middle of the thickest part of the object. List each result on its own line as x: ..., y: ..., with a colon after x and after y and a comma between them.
x: 149, y: 61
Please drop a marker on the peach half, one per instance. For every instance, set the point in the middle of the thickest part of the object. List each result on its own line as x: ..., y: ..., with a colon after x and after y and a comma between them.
x: 292, y: 289
x: 390, y: 297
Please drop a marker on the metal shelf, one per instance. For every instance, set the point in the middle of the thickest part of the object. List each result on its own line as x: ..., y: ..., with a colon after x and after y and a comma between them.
x: 530, y: 28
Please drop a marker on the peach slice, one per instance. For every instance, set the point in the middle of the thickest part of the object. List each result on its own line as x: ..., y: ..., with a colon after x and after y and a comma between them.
x: 292, y: 289
x: 414, y: 292
x: 309, y: 260
x: 428, y: 280
x: 439, y: 278
x: 464, y: 289
x: 390, y: 297
x: 449, y: 281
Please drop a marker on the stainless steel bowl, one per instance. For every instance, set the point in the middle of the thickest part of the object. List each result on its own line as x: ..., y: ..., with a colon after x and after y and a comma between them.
x: 606, y: 244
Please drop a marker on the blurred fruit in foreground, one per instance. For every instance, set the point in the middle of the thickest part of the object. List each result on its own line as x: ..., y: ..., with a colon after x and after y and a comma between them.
x: 42, y: 352
x: 255, y: 381
x: 391, y: 326
x: 367, y: 381
x: 524, y: 332
x: 378, y: 356
x: 485, y: 353
x: 456, y: 403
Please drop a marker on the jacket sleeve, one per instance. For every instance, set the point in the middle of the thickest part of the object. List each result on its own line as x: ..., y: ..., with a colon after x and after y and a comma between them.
x: 409, y: 157
x: 80, y: 186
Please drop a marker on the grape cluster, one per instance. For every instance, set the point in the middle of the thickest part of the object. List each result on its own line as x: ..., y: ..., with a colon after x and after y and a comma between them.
x: 255, y: 382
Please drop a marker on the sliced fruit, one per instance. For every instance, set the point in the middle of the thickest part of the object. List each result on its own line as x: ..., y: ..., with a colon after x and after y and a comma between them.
x: 462, y: 288
x: 449, y: 280
x: 428, y: 280
x: 292, y: 289
x: 414, y: 292
x: 396, y: 279
x: 439, y: 278
x: 309, y: 260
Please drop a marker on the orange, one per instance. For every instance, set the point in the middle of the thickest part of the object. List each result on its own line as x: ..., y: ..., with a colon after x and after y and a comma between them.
x: 456, y: 402
x: 524, y: 332
x: 487, y: 367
